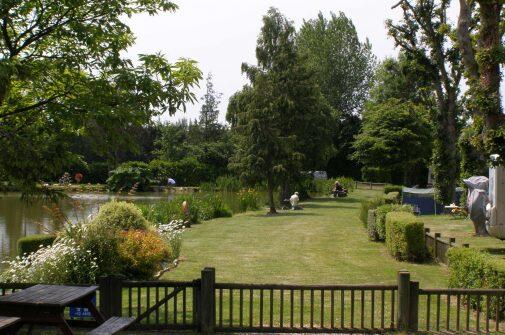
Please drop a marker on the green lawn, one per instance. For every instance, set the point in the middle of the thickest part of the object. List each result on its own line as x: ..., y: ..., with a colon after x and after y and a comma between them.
x: 323, y: 244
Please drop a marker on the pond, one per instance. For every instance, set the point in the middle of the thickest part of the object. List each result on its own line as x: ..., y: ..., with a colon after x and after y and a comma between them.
x: 19, y: 219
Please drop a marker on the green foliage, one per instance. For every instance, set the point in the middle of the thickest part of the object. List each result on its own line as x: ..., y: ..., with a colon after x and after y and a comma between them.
x: 186, y: 172
x: 32, y: 243
x: 405, y: 237
x: 344, y: 68
x: 201, y: 208
x: 392, y: 198
x: 377, y: 228
x: 428, y: 41
x: 92, y: 88
x: 129, y: 175
x: 395, y: 140
x: 228, y: 183
x: 393, y: 188
x: 367, y: 205
x: 98, y: 173
x: 163, y: 212
x: 474, y: 269
x: 324, y: 187
x: 120, y: 215
x: 249, y: 199
x: 274, y: 143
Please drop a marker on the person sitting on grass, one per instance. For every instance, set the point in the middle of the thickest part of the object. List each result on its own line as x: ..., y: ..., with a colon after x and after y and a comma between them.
x: 338, y: 190
x: 294, y: 200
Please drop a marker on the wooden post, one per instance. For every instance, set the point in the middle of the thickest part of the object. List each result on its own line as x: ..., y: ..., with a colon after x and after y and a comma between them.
x: 197, y: 301
x: 207, y: 301
x: 111, y: 296
x: 437, y: 236
x: 402, y: 312
x: 414, y: 306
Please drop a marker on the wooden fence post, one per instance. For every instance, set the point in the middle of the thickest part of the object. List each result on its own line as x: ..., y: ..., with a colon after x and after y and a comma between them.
x: 437, y: 236
x: 207, y: 301
x: 111, y: 296
x: 197, y: 303
x: 414, y: 306
x: 403, y: 313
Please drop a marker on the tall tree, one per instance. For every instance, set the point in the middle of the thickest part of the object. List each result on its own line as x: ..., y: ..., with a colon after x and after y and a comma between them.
x: 424, y: 35
x: 394, y: 143
x: 62, y: 74
x: 481, y: 27
x: 344, y: 69
x: 283, y: 127
x: 209, y: 112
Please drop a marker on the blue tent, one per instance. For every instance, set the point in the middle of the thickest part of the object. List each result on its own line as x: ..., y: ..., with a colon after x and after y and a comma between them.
x: 423, y: 200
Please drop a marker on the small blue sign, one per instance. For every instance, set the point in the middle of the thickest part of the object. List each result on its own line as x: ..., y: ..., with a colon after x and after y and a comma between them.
x: 81, y: 312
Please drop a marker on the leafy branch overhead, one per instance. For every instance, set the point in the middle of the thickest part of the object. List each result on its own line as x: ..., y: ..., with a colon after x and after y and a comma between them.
x: 62, y: 70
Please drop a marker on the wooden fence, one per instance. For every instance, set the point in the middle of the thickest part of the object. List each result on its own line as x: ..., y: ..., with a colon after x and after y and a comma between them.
x: 369, y: 186
x: 438, y: 247
x: 208, y: 307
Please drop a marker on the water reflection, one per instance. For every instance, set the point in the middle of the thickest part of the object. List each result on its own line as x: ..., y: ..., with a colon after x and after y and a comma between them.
x: 18, y: 218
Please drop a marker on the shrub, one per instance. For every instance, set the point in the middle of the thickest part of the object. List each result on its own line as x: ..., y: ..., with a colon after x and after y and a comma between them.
x: 392, y: 198
x: 129, y: 175
x: 228, y: 183
x: 172, y: 233
x: 393, y: 188
x: 377, y: 228
x: 368, y: 204
x: 405, y: 236
x: 471, y: 268
x: 98, y: 172
x: 121, y: 215
x: 324, y: 187
x: 62, y: 262
x: 249, y: 199
x: 163, y: 212
x: 32, y: 243
x: 141, y: 253
x: 186, y: 172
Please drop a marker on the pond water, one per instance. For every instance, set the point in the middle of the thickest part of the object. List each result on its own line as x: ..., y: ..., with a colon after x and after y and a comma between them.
x: 19, y: 219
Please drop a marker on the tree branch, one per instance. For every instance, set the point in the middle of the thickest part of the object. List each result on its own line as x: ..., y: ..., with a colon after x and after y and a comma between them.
x: 465, y: 40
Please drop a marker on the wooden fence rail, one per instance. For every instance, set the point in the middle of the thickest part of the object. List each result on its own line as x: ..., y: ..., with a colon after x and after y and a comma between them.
x: 369, y: 186
x: 208, y: 307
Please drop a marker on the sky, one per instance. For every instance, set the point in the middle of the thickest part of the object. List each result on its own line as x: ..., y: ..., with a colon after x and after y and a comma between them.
x: 221, y: 34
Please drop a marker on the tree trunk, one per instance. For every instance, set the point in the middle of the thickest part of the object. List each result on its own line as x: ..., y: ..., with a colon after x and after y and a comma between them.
x: 270, y: 188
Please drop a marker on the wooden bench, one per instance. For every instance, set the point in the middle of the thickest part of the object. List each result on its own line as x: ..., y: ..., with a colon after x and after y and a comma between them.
x: 9, y: 325
x: 111, y: 326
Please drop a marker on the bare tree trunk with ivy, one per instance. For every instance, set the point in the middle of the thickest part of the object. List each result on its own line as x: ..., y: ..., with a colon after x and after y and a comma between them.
x: 480, y: 33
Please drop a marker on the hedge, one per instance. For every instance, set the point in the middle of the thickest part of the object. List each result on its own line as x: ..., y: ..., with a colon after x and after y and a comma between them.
x: 393, y: 188
x: 377, y: 228
x: 405, y: 237
x: 472, y: 268
x: 368, y: 204
x: 32, y: 243
x: 392, y: 198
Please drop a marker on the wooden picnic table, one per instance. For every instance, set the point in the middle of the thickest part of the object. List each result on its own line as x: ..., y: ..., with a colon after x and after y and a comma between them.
x: 9, y: 325
x: 45, y: 304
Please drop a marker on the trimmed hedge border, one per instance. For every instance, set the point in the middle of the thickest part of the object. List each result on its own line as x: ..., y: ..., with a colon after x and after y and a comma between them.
x: 32, y: 243
x: 405, y: 237
x: 377, y: 228
x: 368, y: 204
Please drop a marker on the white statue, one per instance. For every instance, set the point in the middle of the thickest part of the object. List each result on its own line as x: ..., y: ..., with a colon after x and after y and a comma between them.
x: 294, y: 200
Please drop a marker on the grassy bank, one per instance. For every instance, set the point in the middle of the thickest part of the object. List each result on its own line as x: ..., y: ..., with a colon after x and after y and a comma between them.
x: 323, y: 244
